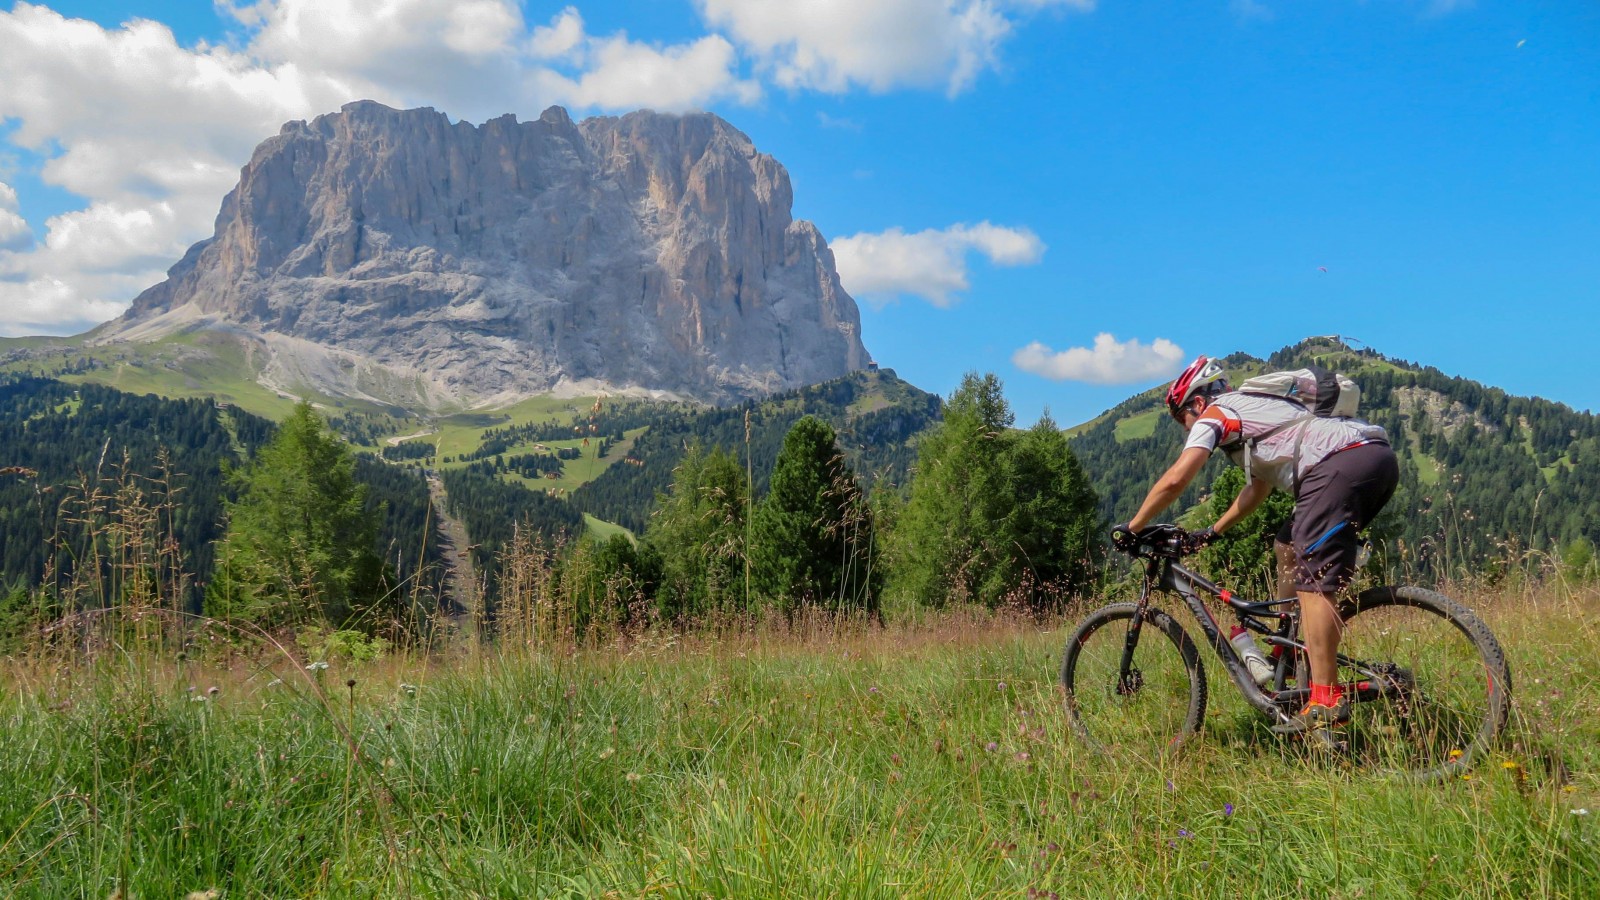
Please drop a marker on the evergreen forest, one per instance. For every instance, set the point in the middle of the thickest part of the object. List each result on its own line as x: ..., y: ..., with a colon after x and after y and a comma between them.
x: 861, y: 494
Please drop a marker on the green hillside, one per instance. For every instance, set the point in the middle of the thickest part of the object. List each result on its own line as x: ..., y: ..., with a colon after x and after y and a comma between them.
x: 1480, y: 469
x: 76, y: 456
x: 877, y: 417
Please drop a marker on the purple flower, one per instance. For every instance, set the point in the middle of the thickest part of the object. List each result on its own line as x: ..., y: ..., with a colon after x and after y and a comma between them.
x: 873, y: 689
x: 991, y: 746
x: 1002, y: 685
x: 1227, y: 809
x: 1184, y: 833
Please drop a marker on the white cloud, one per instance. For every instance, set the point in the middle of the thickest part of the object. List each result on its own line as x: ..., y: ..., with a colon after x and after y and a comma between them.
x: 14, y: 231
x: 834, y: 45
x: 561, y: 38
x: 1108, y: 362
x: 626, y: 73
x: 55, y: 306
x: 930, y: 264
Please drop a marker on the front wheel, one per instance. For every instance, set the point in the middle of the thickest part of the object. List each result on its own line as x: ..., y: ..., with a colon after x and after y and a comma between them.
x: 1149, y: 706
x: 1431, y: 684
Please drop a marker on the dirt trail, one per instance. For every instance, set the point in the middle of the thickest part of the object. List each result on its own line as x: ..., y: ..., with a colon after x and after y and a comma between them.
x: 462, y: 581
x: 400, y: 439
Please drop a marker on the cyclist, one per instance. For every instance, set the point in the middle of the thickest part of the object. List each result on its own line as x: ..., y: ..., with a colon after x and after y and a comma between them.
x: 1341, y: 472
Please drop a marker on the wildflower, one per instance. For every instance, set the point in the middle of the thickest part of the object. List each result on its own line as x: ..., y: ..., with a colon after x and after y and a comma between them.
x: 1455, y: 754
x: 873, y: 689
x: 894, y: 758
x: 1001, y: 685
x: 633, y: 776
x: 197, y: 699
x: 1509, y: 764
x: 1580, y: 812
x: 1023, y: 756
x: 208, y: 894
x: 213, y: 690
x: 350, y: 683
x: 410, y: 690
x: 608, y: 752
x: 1227, y: 809
x: 317, y: 666
x: 991, y: 746
x: 1184, y: 833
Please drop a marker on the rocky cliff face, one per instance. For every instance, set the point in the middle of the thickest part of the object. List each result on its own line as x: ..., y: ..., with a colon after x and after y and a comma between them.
x: 379, y: 252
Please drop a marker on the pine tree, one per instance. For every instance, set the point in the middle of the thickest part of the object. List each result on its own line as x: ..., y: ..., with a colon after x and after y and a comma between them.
x: 1055, y: 524
x: 811, y: 539
x: 299, y: 546
x: 698, y: 534
x: 951, y: 541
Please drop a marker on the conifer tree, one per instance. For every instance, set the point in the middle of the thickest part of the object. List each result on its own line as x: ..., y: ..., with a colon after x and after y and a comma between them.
x: 950, y: 541
x: 811, y: 539
x: 698, y: 534
x: 994, y: 514
x: 299, y: 546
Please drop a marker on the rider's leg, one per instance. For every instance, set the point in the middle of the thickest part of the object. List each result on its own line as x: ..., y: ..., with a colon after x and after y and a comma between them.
x: 1284, y: 551
x: 1336, y: 498
x: 1321, y: 628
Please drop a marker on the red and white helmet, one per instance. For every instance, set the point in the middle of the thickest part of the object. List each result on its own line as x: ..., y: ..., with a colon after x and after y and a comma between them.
x: 1204, y: 377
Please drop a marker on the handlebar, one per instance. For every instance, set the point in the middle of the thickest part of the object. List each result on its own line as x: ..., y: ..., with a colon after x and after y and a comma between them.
x: 1163, y: 541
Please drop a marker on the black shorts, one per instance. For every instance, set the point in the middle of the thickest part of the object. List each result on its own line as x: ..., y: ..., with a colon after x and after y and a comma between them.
x: 1338, y: 497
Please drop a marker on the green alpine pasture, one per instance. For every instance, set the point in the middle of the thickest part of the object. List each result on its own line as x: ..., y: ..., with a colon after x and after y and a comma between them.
x: 927, y: 759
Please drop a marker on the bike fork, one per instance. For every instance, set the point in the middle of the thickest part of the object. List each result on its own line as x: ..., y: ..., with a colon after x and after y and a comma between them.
x: 1127, y: 676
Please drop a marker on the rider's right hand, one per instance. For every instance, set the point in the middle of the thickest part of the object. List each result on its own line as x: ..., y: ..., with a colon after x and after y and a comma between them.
x: 1124, y: 538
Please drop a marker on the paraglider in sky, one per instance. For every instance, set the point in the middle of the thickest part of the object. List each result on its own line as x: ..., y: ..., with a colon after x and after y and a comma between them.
x: 1521, y: 42
x: 1322, y: 269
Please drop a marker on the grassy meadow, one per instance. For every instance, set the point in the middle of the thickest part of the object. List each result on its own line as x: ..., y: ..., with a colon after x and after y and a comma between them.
x: 926, y: 759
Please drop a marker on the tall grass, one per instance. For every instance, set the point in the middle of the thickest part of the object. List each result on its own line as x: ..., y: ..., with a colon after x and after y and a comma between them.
x: 835, y: 759
x: 143, y: 754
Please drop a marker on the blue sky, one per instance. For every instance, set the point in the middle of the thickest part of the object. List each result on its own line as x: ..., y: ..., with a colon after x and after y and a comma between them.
x: 1177, y: 175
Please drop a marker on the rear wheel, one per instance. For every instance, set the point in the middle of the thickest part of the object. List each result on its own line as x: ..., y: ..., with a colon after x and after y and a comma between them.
x: 1430, y: 684
x: 1149, y: 708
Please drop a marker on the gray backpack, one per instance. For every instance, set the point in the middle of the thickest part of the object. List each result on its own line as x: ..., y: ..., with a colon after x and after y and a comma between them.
x: 1324, y: 395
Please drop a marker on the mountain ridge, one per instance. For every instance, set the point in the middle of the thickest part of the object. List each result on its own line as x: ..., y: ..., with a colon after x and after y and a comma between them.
x: 393, y: 256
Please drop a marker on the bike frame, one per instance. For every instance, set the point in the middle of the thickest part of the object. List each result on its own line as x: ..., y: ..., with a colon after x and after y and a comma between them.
x: 1163, y: 573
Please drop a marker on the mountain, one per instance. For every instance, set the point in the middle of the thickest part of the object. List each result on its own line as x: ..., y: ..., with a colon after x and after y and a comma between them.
x: 396, y: 257
x: 1482, y: 472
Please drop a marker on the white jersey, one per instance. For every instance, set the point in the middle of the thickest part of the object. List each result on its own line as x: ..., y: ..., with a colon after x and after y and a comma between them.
x: 1234, y: 421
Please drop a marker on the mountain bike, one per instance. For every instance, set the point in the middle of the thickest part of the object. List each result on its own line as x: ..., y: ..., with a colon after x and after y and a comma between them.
x: 1428, y: 683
